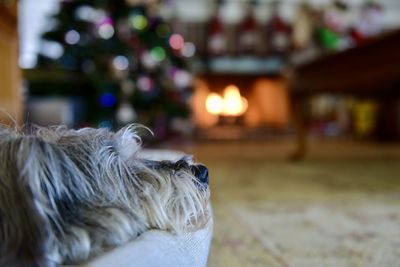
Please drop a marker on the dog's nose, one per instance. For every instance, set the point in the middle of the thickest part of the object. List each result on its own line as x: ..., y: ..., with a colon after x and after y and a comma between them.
x: 201, y: 173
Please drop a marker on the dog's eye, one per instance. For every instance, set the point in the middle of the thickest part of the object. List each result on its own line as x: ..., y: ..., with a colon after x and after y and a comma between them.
x: 182, y: 163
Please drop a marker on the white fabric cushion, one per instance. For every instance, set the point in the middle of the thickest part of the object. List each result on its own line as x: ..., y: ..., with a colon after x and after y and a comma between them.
x: 157, y: 248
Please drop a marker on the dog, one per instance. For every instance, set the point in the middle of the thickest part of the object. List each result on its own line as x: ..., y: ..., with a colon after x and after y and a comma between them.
x: 69, y: 195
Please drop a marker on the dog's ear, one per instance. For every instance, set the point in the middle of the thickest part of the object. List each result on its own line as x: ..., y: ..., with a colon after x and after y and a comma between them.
x: 127, y: 142
x: 23, y: 227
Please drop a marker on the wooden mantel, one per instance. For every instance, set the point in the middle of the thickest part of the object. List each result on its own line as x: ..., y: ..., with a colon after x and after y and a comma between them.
x: 10, y: 81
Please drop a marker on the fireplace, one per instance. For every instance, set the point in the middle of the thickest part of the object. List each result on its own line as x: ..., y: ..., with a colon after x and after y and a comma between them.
x: 239, y: 106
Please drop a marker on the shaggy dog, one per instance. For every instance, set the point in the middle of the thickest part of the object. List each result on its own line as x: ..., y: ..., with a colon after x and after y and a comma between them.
x: 68, y: 195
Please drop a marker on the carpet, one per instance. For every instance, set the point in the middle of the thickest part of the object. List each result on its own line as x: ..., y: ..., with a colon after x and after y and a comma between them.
x: 340, y: 207
x: 309, y: 235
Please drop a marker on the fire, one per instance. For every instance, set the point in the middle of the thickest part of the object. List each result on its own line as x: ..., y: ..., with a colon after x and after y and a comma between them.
x: 231, y: 104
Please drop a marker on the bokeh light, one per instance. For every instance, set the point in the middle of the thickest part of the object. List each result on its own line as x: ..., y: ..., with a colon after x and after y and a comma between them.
x: 120, y: 62
x: 107, y: 100
x: 158, y: 53
x: 88, y: 13
x: 145, y: 84
x: 176, y: 41
x: 188, y: 50
x: 182, y: 78
x: 106, y: 31
x: 72, y: 37
x: 139, y: 22
x: 148, y: 61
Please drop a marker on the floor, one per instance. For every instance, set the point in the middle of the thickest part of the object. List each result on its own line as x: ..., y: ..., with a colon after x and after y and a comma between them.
x: 338, y: 207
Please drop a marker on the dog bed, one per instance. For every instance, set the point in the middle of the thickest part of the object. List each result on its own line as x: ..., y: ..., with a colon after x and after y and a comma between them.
x: 157, y: 248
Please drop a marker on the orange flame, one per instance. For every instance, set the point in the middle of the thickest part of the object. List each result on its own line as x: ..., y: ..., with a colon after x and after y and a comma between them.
x: 231, y: 104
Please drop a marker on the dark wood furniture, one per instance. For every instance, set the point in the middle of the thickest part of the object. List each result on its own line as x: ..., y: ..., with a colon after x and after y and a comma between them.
x: 371, y: 70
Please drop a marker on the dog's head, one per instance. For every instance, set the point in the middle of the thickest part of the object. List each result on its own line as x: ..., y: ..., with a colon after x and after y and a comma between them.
x: 68, y: 194
x: 182, y: 209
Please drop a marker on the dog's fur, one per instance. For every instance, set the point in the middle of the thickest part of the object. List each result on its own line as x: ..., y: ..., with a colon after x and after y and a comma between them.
x: 67, y: 195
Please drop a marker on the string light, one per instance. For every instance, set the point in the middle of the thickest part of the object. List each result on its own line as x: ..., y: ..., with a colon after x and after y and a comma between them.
x: 72, y: 37
x: 148, y: 60
x: 182, y: 78
x: 52, y: 49
x: 176, y: 41
x: 107, y: 100
x: 87, y: 13
x: 144, y: 84
x: 106, y: 31
x: 139, y: 22
x: 120, y: 62
x: 125, y: 113
x: 158, y: 53
x: 188, y: 50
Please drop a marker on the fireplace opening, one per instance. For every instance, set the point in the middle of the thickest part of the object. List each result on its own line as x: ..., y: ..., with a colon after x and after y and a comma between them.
x: 235, y: 107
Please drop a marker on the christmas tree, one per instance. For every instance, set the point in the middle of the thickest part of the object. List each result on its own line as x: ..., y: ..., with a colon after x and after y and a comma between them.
x: 130, y: 59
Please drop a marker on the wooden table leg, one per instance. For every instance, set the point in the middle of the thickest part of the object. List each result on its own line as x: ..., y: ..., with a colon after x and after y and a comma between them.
x: 299, y: 121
